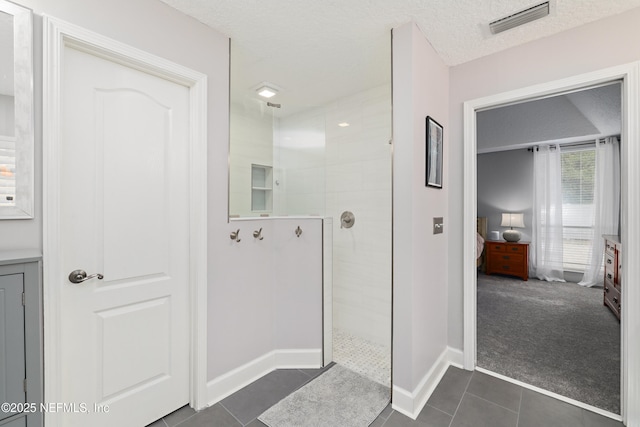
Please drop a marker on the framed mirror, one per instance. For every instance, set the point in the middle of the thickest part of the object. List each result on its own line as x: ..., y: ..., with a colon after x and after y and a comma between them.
x: 16, y: 111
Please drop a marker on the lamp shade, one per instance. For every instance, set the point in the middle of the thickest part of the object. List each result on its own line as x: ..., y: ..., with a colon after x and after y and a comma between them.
x: 512, y: 220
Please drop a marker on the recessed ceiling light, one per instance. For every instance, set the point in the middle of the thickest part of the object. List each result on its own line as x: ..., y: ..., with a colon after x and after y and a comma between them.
x: 266, y: 91
x: 343, y: 124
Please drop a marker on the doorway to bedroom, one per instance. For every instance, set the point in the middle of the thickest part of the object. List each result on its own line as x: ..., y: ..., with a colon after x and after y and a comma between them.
x: 548, y: 173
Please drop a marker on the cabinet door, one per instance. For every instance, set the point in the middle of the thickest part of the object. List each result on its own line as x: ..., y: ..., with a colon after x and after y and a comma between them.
x: 12, y: 365
x: 18, y: 422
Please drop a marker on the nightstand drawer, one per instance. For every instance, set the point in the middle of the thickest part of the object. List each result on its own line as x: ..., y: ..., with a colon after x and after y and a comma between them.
x: 504, y: 247
x: 496, y: 247
x: 508, y: 268
x: 507, y: 258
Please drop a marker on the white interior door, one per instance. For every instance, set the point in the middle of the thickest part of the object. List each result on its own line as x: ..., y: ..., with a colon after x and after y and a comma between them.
x: 124, y: 213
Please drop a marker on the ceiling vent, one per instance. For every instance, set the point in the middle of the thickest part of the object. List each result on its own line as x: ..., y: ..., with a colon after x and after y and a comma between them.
x: 519, y: 18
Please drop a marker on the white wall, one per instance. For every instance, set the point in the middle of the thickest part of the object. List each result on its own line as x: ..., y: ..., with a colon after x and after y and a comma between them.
x: 298, y: 284
x: 268, y: 292
x: 420, y: 88
x: 505, y: 184
x: 587, y: 48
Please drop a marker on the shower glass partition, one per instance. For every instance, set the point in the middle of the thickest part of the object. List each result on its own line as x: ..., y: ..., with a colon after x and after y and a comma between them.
x: 322, y: 161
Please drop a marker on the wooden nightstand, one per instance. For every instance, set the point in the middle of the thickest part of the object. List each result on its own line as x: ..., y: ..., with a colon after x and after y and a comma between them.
x: 508, y: 258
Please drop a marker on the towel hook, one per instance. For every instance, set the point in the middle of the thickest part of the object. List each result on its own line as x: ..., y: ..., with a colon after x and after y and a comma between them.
x: 258, y: 234
x: 235, y: 235
x: 298, y: 231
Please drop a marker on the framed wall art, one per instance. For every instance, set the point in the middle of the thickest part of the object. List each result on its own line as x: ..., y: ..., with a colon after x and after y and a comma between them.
x: 434, y: 153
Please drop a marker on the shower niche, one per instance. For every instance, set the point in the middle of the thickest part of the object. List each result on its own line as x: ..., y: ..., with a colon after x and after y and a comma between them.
x: 261, y: 188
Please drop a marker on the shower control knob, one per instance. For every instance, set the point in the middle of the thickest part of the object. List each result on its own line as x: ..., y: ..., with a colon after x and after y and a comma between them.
x: 347, y: 219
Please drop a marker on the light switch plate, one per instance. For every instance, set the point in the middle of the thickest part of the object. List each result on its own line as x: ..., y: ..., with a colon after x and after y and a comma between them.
x: 438, y: 226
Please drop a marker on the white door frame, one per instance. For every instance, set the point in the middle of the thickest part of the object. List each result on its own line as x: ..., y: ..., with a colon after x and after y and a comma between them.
x: 56, y: 35
x: 629, y: 74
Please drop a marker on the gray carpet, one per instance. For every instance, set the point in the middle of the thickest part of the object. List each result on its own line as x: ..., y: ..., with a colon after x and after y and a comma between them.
x: 339, y: 397
x: 557, y: 336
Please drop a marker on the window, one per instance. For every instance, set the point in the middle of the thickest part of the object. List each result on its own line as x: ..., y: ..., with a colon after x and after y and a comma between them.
x: 578, y: 179
x: 7, y: 171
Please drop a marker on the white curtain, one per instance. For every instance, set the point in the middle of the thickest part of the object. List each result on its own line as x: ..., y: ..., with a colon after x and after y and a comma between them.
x: 546, y: 246
x: 606, y: 201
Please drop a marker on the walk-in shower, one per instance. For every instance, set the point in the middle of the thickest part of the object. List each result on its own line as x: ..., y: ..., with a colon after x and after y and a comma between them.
x: 333, y: 161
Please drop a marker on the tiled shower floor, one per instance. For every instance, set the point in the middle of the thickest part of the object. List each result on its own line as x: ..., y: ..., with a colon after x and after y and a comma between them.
x: 370, y: 359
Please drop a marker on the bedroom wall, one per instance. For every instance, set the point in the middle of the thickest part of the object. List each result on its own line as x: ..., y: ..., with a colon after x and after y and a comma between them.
x: 505, y: 184
x: 591, y: 47
x: 420, y: 88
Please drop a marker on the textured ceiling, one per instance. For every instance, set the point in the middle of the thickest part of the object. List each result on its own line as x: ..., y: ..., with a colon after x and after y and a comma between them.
x: 318, y: 51
x: 589, y: 113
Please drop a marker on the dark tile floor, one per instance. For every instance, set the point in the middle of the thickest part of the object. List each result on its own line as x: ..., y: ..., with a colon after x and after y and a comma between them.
x: 461, y: 399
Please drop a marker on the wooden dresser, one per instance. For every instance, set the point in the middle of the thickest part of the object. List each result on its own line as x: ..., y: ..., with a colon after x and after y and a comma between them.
x: 613, y: 274
x: 508, y: 258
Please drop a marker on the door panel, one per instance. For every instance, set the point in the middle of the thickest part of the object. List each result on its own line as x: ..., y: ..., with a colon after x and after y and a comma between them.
x: 124, y: 209
x: 148, y: 350
x: 121, y: 129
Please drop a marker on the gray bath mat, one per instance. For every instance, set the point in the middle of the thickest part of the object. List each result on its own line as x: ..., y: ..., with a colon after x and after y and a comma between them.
x: 339, y: 397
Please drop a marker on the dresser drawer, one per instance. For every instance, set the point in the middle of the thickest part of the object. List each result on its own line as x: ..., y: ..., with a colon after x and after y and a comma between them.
x: 610, y: 248
x: 612, y: 298
x: 610, y: 273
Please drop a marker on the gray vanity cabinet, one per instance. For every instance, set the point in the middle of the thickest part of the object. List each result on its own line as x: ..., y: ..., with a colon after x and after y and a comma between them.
x: 20, y: 339
x: 12, y: 364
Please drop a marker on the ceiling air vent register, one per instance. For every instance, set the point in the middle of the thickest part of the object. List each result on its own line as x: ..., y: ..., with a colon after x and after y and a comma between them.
x: 519, y: 18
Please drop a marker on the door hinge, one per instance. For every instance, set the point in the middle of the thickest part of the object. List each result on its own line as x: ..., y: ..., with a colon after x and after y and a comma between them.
x: 23, y: 299
x: 24, y: 385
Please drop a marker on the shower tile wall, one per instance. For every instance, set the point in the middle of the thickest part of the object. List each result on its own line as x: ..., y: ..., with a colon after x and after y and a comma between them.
x: 299, y: 150
x: 357, y: 159
x: 251, y: 136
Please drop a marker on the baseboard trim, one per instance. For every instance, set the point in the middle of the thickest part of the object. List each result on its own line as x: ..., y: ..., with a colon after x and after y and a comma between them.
x: 455, y: 357
x: 411, y: 403
x: 227, y: 384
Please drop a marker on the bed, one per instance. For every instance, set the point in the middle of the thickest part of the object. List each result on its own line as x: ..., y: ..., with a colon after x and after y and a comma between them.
x: 481, y: 236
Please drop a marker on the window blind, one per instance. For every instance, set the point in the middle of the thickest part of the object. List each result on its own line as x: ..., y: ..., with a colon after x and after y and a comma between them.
x: 578, y: 211
x: 7, y: 171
